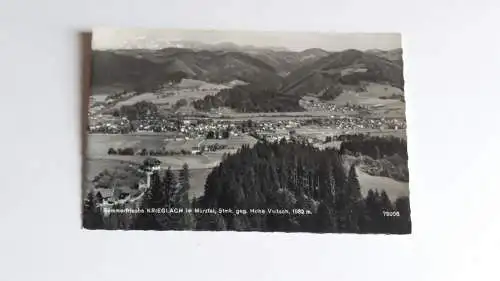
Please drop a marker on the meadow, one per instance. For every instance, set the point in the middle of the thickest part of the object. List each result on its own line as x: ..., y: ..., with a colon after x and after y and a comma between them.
x: 393, y: 188
x: 188, y: 89
x: 200, y: 165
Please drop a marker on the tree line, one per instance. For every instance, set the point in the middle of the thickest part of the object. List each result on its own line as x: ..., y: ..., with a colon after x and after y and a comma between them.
x: 250, y: 98
x: 137, y: 111
x: 374, y: 146
x: 163, y: 152
x: 145, y: 152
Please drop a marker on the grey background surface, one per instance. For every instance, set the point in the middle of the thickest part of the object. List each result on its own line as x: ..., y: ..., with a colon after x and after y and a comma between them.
x: 452, y: 58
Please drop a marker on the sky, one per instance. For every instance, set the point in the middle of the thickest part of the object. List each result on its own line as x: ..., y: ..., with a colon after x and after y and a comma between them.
x: 109, y: 38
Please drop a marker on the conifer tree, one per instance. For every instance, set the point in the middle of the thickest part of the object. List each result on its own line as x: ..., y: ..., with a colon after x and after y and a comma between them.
x: 403, y: 221
x: 184, y: 177
x: 372, y: 213
x: 353, y: 186
x: 157, y: 195
x: 324, y: 219
x: 92, y: 217
x: 98, y: 198
x: 353, y: 201
x: 388, y: 222
x: 146, y: 220
x: 169, y: 184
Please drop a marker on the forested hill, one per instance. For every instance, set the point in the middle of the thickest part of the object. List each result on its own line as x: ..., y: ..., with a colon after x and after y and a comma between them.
x: 250, y: 98
x: 292, y: 175
x: 147, y: 69
x: 343, y: 68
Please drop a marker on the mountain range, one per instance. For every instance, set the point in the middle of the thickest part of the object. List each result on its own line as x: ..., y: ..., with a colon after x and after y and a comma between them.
x: 284, y: 73
x: 146, y: 68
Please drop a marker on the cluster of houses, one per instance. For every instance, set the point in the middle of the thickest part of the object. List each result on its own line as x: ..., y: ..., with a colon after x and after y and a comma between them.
x: 130, y: 197
x: 222, y: 129
x: 114, y: 195
x: 346, y: 123
x: 368, y: 123
x: 108, y: 124
x: 314, y: 105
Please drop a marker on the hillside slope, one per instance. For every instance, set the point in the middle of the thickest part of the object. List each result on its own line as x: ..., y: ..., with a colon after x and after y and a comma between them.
x: 395, y: 55
x: 286, y: 61
x: 329, y: 75
x: 146, y: 69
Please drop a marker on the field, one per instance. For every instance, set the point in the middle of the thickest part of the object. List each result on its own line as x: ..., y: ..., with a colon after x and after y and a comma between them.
x: 321, y: 133
x: 314, y: 132
x: 333, y: 144
x: 233, y: 141
x: 395, y: 133
x: 167, y: 97
x: 99, y: 98
x: 200, y: 165
x: 393, y: 188
x: 98, y: 144
x: 188, y: 89
x: 371, y: 96
x: 264, y: 116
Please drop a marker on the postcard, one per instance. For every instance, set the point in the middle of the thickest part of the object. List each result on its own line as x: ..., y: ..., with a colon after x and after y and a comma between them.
x: 213, y: 130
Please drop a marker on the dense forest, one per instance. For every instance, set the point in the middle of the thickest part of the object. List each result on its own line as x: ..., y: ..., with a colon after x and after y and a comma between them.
x: 276, y: 176
x: 375, y: 147
x: 250, y: 98
x: 138, y: 111
x: 378, y: 156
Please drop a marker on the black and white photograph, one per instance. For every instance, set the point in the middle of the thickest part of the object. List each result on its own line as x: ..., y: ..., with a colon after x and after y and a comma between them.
x: 225, y: 130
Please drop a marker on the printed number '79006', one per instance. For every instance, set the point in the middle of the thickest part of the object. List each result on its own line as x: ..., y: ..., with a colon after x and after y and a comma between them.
x: 390, y: 214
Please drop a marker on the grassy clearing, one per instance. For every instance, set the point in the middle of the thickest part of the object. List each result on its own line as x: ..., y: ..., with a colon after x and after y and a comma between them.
x: 99, y: 98
x: 175, y: 162
x: 315, y: 132
x: 188, y: 89
x: 98, y: 144
x: 370, y: 96
x: 393, y: 188
x: 233, y: 142
x: 167, y: 97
